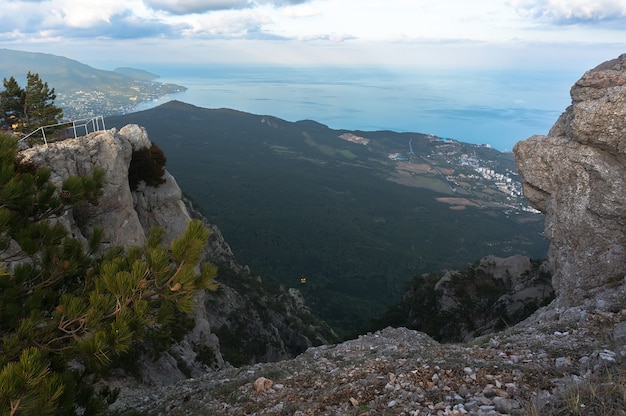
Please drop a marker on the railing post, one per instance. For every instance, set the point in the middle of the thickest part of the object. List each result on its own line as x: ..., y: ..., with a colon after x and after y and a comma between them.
x: 74, y: 127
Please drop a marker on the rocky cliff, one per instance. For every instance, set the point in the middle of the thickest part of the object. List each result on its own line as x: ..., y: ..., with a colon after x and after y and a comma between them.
x: 277, y: 323
x: 576, y: 175
x: 459, y: 305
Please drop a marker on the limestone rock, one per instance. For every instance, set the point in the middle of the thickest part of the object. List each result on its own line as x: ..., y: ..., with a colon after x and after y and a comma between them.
x: 257, y: 325
x: 464, y: 304
x: 576, y: 175
x: 410, y: 372
x: 115, y: 212
x: 162, y: 207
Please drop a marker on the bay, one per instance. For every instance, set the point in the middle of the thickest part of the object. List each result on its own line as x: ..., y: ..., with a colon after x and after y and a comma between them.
x: 495, y: 107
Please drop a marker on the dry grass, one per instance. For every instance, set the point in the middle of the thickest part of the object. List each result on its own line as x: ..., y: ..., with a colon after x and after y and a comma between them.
x: 603, y: 393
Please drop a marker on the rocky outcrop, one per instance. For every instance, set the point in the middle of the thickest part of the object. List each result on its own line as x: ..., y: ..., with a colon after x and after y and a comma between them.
x: 576, y: 175
x: 480, y: 299
x: 126, y: 218
x: 257, y: 323
x: 493, y: 294
x: 274, y: 322
x: 522, y: 371
x: 115, y: 211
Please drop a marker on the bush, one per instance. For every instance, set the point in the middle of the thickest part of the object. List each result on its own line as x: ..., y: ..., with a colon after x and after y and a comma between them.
x: 147, y: 165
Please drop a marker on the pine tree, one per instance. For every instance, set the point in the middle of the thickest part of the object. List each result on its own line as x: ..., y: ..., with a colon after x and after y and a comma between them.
x: 38, y: 105
x: 11, y: 103
x: 64, y: 302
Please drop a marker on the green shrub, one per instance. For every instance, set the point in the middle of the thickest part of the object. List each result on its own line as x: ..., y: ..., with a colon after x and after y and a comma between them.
x: 147, y: 165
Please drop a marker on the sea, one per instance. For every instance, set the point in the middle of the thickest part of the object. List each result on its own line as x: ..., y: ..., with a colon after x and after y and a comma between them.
x: 491, y: 107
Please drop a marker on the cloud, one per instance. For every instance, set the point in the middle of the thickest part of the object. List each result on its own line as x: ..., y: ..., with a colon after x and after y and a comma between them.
x: 281, y: 2
x: 331, y: 37
x: 227, y: 24
x: 182, y: 7
x: 56, y: 20
x: 83, y: 14
x: 127, y: 26
x: 42, y: 16
x: 46, y: 20
x: 571, y: 11
x: 327, y: 24
x: 298, y: 12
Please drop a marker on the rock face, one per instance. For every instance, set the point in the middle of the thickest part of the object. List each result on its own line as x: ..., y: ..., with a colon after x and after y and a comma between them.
x: 480, y: 299
x: 126, y: 217
x: 576, y: 175
x: 115, y: 212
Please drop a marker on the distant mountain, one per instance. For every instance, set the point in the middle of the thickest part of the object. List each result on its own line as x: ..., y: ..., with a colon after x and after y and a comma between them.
x: 357, y: 214
x: 136, y: 73
x: 62, y: 73
x: 84, y: 91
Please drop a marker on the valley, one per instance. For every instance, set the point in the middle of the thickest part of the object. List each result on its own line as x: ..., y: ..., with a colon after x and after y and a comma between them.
x: 297, y: 200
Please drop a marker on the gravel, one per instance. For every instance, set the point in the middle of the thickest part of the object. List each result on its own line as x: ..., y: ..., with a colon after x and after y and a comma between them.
x: 397, y: 371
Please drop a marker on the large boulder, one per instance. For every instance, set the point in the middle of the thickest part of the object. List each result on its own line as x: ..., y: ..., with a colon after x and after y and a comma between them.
x: 576, y: 175
x: 115, y: 212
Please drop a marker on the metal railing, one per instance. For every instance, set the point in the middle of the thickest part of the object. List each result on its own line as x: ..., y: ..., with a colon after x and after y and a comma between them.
x: 90, y: 125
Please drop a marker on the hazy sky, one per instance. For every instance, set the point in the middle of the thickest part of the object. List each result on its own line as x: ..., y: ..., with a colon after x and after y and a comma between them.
x: 472, y: 33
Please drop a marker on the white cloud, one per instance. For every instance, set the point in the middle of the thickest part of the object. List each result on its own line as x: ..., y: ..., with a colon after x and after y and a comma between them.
x: 299, y: 11
x: 57, y: 15
x: 81, y: 14
x: 225, y: 23
x: 394, y: 20
x: 181, y: 7
x: 571, y: 10
x: 281, y: 2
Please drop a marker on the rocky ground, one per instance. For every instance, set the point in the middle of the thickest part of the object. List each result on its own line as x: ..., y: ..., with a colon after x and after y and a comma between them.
x: 402, y: 372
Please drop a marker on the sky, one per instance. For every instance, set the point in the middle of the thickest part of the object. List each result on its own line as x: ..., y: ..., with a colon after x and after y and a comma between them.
x: 574, y: 34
